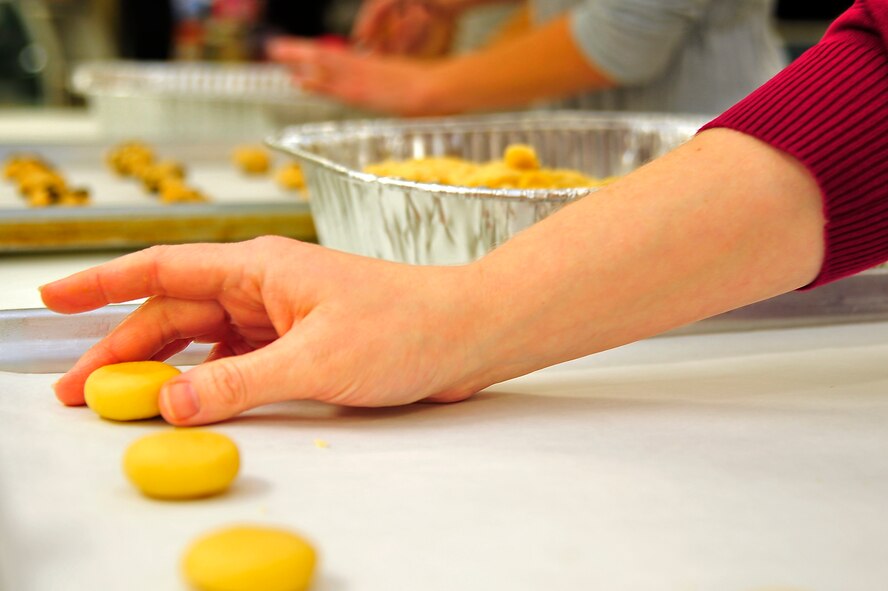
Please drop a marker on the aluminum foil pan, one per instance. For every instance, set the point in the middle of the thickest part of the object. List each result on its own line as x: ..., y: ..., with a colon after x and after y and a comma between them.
x: 196, y: 100
x: 424, y: 223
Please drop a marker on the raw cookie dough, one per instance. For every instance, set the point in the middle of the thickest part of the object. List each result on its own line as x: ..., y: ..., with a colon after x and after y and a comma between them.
x: 182, y: 463
x: 520, y: 168
x: 290, y: 177
x: 252, y: 159
x: 40, y: 184
x: 127, y: 391
x: 246, y: 558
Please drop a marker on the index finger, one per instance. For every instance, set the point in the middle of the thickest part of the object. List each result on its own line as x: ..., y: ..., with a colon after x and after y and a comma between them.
x: 192, y: 271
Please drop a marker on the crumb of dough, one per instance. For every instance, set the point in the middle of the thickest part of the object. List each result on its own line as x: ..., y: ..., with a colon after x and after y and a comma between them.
x: 182, y: 464
x: 290, y: 177
x: 252, y: 159
x: 249, y: 557
x: 127, y: 391
x: 321, y: 444
x: 519, y: 169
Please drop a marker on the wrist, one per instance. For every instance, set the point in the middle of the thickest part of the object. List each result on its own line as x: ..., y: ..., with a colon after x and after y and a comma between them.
x: 430, y: 94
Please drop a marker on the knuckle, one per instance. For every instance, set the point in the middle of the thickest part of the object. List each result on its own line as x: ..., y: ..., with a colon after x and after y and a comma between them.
x: 270, y: 243
x: 155, y: 256
x: 156, y: 252
x: 228, y: 385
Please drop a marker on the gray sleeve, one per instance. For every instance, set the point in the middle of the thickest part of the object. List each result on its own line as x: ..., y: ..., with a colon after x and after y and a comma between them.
x: 633, y: 40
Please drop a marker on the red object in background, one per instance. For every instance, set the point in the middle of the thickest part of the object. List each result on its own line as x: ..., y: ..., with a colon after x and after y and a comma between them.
x: 333, y: 41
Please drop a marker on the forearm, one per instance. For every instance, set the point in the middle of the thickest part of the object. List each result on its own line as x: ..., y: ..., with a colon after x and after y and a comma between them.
x: 721, y: 222
x: 544, y: 63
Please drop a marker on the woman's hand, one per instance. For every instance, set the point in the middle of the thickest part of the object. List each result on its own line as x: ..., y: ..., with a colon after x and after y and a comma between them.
x: 289, y: 320
x: 398, y: 86
x: 420, y: 28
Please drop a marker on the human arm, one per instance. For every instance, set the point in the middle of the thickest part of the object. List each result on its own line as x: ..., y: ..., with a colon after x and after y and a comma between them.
x: 543, y: 63
x: 658, y: 249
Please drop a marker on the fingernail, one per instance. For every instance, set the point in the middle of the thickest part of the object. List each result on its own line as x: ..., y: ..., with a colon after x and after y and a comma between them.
x: 180, y: 400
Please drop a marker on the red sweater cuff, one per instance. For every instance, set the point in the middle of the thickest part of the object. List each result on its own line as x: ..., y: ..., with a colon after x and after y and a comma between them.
x: 829, y: 110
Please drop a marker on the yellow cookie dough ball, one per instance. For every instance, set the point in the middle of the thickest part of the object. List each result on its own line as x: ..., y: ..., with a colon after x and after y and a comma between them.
x: 182, y: 464
x: 174, y: 190
x: 40, y: 198
x: 154, y: 174
x: 247, y: 558
x: 252, y: 159
x: 290, y: 177
x: 522, y: 157
x: 129, y: 158
x: 127, y: 391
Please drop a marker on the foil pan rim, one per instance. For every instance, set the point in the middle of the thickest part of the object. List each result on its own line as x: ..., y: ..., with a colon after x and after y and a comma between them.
x: 297, y: 140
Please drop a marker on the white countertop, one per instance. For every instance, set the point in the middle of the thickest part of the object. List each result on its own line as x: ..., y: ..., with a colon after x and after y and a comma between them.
x: 744, y: 461
x: 47, y: 126
x: 22, y: 274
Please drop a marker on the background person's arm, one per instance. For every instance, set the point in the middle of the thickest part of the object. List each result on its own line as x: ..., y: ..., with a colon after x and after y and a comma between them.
x: 544, y: 63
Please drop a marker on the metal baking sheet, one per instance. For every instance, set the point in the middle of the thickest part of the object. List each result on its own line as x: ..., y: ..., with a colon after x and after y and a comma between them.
x: 40, y: 341
x: 123, y: 215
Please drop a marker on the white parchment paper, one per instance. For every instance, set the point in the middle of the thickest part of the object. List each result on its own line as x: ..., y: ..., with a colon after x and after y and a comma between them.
x: 726, y: 462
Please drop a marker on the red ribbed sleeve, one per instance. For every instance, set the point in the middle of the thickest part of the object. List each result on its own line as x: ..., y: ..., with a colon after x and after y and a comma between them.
x: 829, y: 109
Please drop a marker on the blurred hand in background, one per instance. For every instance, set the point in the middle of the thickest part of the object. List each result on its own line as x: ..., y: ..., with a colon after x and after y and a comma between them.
x: 419, y: 28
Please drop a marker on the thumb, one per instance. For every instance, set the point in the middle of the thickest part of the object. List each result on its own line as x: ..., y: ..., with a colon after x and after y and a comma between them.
x: 217, y: 390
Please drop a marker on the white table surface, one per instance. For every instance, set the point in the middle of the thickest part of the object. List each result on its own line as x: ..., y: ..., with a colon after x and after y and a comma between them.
x: 746, y: 461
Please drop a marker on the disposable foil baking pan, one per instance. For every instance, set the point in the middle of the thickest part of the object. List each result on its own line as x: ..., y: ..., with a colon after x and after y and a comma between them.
x: 425, y: 223
x: 196, y: 100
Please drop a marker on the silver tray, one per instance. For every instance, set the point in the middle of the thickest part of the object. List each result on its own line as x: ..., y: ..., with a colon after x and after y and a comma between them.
x: 197, y: 100
x: 425, y: 223
x: 123, y: 215
x: 40, y: 341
